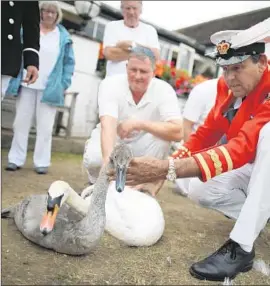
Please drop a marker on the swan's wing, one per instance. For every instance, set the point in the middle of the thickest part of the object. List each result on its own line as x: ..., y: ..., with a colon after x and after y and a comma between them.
x: 133, y: 217
x: 29, y: 212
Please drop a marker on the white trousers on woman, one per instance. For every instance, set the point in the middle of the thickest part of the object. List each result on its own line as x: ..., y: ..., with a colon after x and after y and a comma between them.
x: 242, y: 194
x: 4, y: 84
x: 29, y: 104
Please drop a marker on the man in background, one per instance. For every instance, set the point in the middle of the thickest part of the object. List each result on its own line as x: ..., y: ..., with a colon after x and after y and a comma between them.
x: 122, y: 36
x: 14, y: 16
x: 200, y: 101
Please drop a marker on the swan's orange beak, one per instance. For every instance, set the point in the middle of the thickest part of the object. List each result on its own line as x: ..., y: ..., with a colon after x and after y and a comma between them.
x: 48, y: 221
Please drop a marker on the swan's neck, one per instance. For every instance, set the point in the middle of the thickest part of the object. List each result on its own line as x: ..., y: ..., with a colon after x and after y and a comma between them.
x: 100, y: 190
x: 77, y: 202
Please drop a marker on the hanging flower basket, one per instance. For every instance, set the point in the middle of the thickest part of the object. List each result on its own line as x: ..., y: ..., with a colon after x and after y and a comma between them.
x: 180, y: 80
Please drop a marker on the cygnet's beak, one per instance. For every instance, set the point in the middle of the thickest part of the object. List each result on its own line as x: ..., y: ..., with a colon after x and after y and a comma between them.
x: 49, y: 218
x: 48, y: 221
x: 120, y: 178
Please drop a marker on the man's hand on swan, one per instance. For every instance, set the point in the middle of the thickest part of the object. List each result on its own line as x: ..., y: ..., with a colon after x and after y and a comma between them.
x: 143, y: 170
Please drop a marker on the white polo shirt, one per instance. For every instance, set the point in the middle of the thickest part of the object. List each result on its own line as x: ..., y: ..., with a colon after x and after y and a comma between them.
x: 117, y: 31
x: 159, y: 103
x: 200, y: 101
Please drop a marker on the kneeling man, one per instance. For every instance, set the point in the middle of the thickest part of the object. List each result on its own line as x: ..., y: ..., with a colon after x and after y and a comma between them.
x: 235, y: 173
x: 137, y: 108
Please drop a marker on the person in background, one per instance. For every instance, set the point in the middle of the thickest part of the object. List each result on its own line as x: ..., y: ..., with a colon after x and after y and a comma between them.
x: 41, y: 98
x: 17, y: 16
x: 200, y: 101
x: 121, y: 36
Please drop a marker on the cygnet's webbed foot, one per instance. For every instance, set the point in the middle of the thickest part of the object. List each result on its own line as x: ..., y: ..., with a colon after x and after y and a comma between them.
x: 87, y: 192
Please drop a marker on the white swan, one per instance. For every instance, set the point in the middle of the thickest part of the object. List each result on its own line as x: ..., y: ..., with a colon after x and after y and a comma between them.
x: 133, y: 217
x: 62, y: 228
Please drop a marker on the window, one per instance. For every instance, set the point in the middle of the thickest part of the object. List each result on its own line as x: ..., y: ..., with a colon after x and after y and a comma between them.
x: 101, y: 64
x: 100, y: 32
x: 95, y: 30
x: 169, y: 52
x: 164, y: 52
x: 204, y: 66
x: 90, y: 28
x: 174, y: 58
x: 186, y: 58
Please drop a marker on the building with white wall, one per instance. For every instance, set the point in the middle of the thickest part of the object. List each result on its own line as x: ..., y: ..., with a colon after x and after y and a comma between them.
x: 186, y: 52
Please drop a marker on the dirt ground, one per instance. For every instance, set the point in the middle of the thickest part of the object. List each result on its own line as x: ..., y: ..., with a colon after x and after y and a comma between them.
x: 191, y: 234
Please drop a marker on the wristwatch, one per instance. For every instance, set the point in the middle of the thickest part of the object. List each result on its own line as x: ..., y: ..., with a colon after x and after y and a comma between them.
x: 133, y: 45
x: 171, y: 176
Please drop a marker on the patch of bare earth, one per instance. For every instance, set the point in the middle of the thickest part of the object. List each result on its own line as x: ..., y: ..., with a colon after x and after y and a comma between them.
x: 191, y: 234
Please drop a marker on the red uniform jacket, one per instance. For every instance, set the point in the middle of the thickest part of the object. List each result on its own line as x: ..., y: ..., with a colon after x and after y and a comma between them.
x: 242, y: 134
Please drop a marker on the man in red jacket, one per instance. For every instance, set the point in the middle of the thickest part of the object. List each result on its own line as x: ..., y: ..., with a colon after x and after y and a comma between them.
x: 235, y: 174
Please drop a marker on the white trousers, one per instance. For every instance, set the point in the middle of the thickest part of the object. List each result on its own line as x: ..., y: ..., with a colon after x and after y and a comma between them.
x: 146, y: 145
x: 27, y: 105
x: 182, y: 185
x: 4, y: 84
x: 242, y: 194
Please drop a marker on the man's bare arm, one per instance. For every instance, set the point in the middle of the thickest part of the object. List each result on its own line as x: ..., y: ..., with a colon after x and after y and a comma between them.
x: 121, y: 51
x: 108, y: 136
x: 125, y: 45
x: 187, y: 128
x: 149, y: 169
x: 169, y: 131
x: 186, y: 168
x: 116, y: 54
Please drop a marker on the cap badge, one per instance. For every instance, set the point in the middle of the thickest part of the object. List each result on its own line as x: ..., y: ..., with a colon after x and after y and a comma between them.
x: 223, y: 47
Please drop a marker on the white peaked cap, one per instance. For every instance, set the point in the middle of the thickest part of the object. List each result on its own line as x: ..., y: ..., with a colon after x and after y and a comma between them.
x: 255, y: 34
x: 243, y: 42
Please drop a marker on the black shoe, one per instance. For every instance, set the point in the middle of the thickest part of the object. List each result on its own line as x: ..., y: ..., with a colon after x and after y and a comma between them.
x: 41, y: 170
x: 228, y: 261
x: 12, y: 167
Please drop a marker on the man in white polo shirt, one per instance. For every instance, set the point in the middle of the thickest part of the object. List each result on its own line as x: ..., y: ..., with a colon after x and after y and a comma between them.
x: 121, y: 36
x: 137, y: 108
x: 201, y: 100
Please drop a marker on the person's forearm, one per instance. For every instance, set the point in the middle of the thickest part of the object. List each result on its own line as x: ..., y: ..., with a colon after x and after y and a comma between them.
x: 108, y: 138
x: 184, y: 168
x: 116, y: 54
x: 187, y: 132
x: 164, y: 130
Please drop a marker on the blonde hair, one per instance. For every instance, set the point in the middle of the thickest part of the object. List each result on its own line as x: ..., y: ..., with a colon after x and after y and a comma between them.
x: 55, y: 4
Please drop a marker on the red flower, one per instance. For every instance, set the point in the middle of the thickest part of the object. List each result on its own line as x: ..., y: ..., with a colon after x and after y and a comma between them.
x: 178, y: 83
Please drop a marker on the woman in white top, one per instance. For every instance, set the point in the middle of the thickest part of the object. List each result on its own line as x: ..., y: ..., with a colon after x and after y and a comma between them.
x: 41, y: 98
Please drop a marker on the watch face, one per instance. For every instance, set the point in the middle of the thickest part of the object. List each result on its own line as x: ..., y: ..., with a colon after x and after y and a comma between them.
x: 171, y: 177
